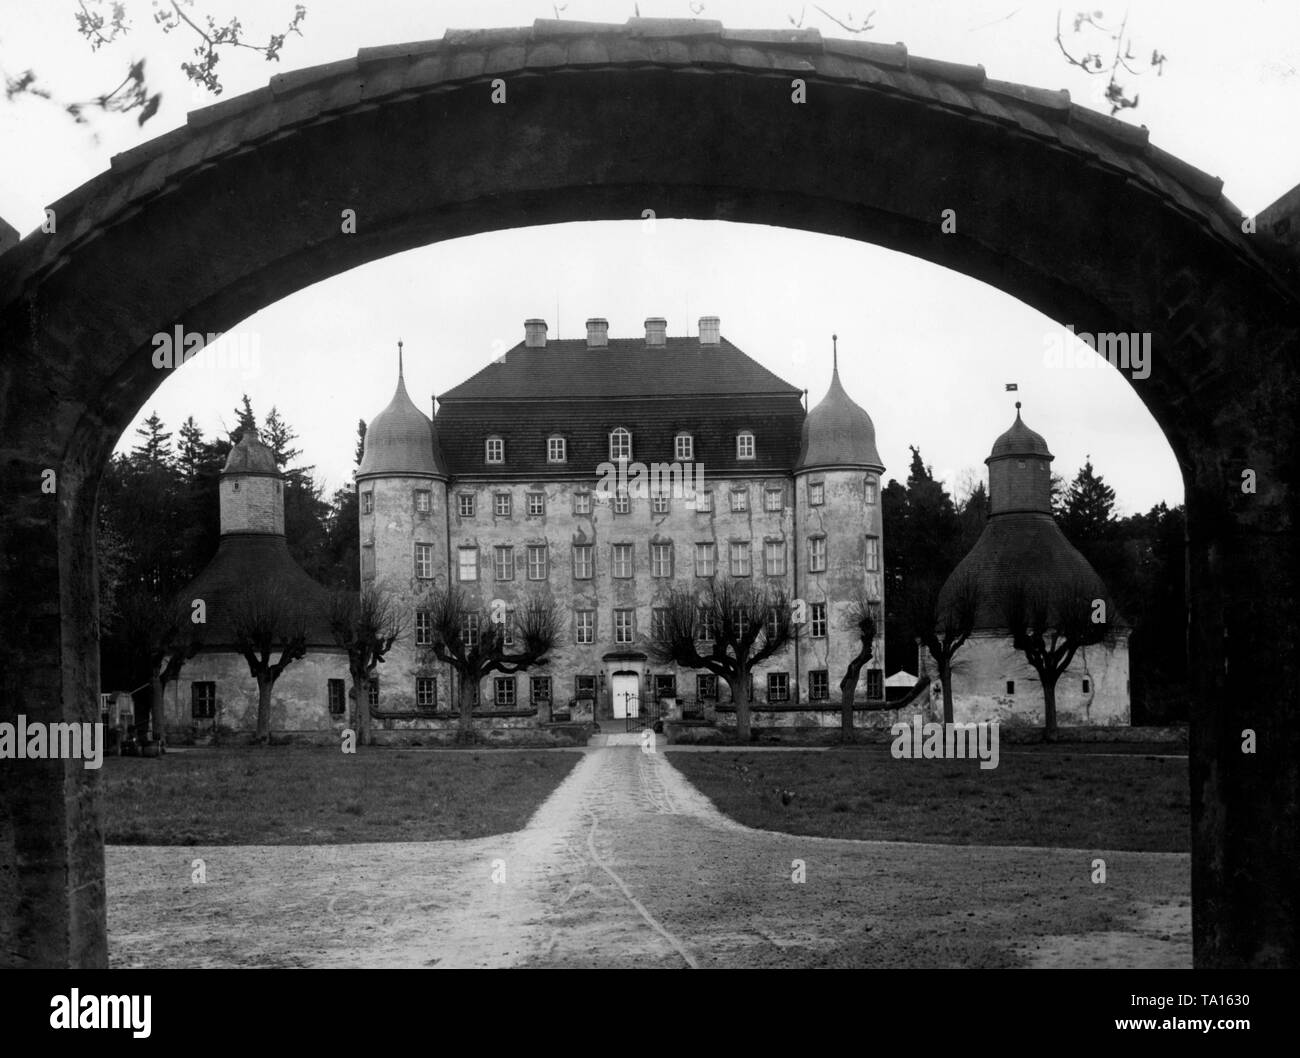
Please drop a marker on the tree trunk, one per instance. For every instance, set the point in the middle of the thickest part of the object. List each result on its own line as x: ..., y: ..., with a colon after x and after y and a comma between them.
x: 264, y: 686
x: 1049, y: 708
x: 848, y: 689
x: 740, y: 698
x: 465, y: 697
x: 156, y: 706
x: 361, y: 707
x: 945, y: 681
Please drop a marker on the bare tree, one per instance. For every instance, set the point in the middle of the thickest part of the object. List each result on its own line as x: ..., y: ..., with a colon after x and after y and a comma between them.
x: 264, y: 618
x: 727, y: 628
x: 943, y: 623
x: 159, y: 633
x: 473, y: 644
x: 863, y: 618
x: 1049, y: 625
x: 366, y: 626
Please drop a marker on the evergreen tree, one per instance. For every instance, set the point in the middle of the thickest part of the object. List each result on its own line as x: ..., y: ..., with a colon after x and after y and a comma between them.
x: 244, y: 419
x: 191, y: 453
x: 361, y: 440
x: 154, y: 447
x: 1087, y: 507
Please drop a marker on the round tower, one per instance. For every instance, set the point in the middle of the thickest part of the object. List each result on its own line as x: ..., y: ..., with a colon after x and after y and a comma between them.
x: 251, y: 489
x: 840, y: 545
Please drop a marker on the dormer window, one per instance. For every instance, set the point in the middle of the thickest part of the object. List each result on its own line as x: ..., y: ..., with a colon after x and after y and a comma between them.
x: 745, y: 445
x: 683, y: 447
x: 556, y: 451
x: 620, y: 444
x: 494, y: 450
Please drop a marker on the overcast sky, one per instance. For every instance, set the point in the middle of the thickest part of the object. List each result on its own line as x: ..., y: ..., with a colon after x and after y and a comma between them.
x: 926, y: 351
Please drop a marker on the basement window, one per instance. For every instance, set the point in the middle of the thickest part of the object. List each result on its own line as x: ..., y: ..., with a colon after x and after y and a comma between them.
x: 1011, y: 686
x: 1087, y: 685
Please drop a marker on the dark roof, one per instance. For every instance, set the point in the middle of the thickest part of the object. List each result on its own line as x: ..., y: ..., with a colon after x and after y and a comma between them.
x: 1022, y: 547
x: 1020, y: 440
x: 401, y: 440
x: 585, y: 425
x: 251, y: 456
x: 626, y: 367
x: 244, y: 560
x: 838, y: 432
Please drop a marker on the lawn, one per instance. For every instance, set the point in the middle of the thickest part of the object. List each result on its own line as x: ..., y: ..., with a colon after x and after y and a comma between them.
x: 298, y: 795
x: 1043, y: 796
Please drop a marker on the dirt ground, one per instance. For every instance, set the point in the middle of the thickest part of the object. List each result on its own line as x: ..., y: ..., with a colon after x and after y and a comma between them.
x: 627, y: 864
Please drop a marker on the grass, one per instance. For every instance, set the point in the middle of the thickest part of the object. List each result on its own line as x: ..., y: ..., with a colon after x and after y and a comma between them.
x: 318, y: 796
x: 1063, y: 797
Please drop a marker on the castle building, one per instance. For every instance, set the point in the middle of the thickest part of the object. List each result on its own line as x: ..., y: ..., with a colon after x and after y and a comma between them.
x: 507, y: 491
x: 1022, y: 549
x: 215, y: 687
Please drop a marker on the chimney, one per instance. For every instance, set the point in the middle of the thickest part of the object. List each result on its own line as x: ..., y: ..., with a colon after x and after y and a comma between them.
x: 597, y: 333
x: 534, y: 334
x: 709, y: 327
x: 656, y: 331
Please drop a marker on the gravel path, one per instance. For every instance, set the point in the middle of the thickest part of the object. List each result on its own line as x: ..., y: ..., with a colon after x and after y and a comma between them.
x: 627, y: 864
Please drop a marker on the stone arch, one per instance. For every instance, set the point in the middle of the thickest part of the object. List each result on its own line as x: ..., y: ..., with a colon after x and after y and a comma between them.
x: 1071, y: 212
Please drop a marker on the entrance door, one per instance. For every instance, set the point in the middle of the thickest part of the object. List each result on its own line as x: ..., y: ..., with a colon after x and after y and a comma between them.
x: 627, y: 686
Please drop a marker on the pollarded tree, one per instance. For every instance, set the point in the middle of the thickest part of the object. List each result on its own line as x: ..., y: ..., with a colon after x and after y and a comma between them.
x: 863, y: 618
x: 726, y: 628
x: 159, y: 636
x: 1049, y: 624
x: 366, y: 625
x: 265, y: 618
x: 467, y: 638
x: 943, y: 623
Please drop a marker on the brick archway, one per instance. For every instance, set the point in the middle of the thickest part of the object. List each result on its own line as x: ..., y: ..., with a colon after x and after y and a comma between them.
x: 1070, y: 212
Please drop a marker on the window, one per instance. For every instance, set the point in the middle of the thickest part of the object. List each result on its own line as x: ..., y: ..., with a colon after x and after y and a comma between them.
x: 661, y: 560
x: 494, y: 451
x: 368, y: 502
x: 337, y: 697
x: 683, y: 446
x: 740, y: 559
x: 582, y: 503
x: 423, y: 628
x: 372, y: 691
x: 873, y: 554
x: 817, y: 620
x: 424, y: 561
x: 507, y: 626
x: 816, y: 494
x: 745, y: 445
x: 817, y: 554
x: 739, y: 499
x: 555, y: 450
x: 583, y: 561
x: 501, y: 505
x: 623, y: 626
x: 705, y: 560
x: 704, y: 501
x: 537, y: 562
x: 536, y: 504
x: 665, y: 686
x: 584, y: 686
x: 659, y: 622
x: 1087, y: 685
x: 584, y: 627
x: 622, y: 502
x: 620, y: 445
x: 660, y: 503
x: 203, y: 700
x: 819, y: 685
x: 872, y: 491
x: 778, y: 686
x: 706, y: 687
x: 503, y: 563
x: 465, y: 504
x: 469, y: 630
x: 623, y: 560
x: 539, y: 691
x: 875, y: 683
x: 772, y: 624
x: 774, y: 500
x: 468, y: 565
x: 505, y: 692
x: 1011, y: 686
x: 704, y: 630
x: 423, y: 501
x: 426, y: 692
x: 774, y: 558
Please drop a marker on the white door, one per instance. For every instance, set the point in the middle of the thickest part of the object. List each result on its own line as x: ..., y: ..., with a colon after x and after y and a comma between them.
x: 626, y: 688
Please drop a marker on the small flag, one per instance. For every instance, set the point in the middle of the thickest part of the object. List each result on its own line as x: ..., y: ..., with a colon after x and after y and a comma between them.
x: 1012, y: 387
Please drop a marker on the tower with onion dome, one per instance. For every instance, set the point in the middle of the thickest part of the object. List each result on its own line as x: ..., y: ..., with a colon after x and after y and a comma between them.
x: 404, y: 527
x: 839, y: 537
x: 1023, y: 549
